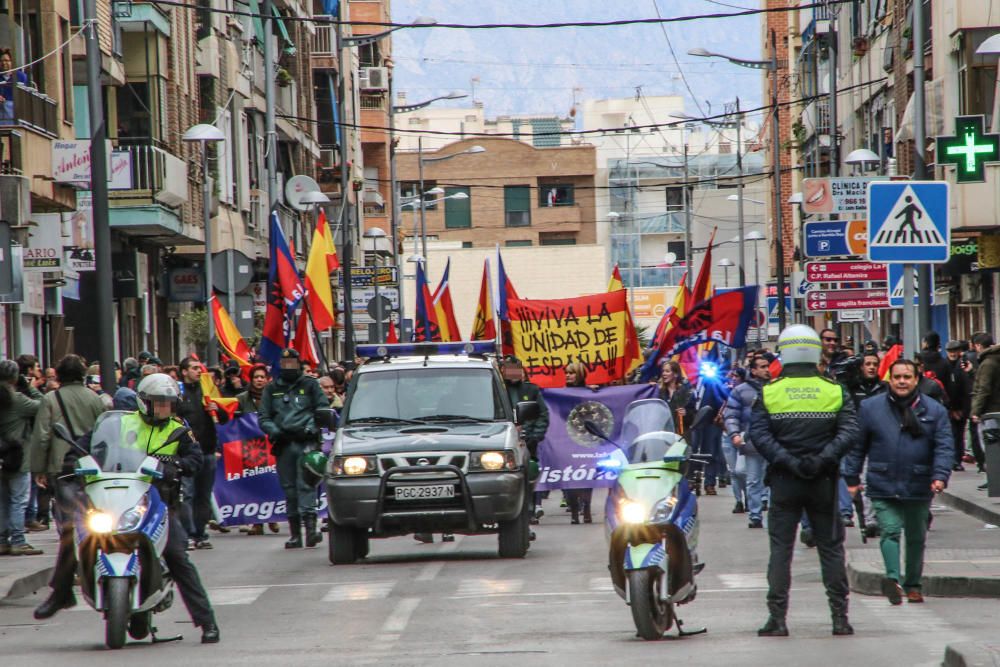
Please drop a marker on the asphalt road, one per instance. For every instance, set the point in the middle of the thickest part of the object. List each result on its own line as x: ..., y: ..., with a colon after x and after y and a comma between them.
x: 458, y: 604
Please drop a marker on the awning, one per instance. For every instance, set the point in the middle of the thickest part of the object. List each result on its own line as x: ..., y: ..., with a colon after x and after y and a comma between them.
x: 258, y: 24
x: 289, y: 46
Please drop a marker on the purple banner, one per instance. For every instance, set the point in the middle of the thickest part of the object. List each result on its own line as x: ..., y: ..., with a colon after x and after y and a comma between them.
x: 246, y: 481
x: 568, y: 456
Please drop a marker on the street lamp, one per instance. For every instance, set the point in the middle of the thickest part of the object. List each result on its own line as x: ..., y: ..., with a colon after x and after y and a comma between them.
x: 861, y: 158
x: 363, y: 40
x: 206, y: 134
x: 471, y: 150
x: 375, y: 238
x: 772, y: 67
x: 407, y: 108
x: 725, y: 263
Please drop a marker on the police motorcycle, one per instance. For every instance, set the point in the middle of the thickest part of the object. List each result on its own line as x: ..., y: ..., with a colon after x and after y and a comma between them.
x: 121, y: 527
x: 651, y: 517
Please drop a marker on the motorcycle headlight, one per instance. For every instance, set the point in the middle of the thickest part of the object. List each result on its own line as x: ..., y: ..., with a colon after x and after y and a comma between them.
x: 131, y: 519
x: 663, y: 509
x: 632, y: 512
x: 99, y: 522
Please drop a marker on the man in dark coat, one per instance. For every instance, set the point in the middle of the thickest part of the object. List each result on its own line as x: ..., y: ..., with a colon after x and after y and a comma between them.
x: 197, y: 509
x: 908, y: 442
x: 961, y: 400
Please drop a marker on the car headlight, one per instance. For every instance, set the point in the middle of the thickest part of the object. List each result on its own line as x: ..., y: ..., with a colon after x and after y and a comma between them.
x: 99, y: 522
x: 632, y: 512
x: 354, y: 465
x: 663, y: 509
x: 493, y: 461
x: 131, y: 519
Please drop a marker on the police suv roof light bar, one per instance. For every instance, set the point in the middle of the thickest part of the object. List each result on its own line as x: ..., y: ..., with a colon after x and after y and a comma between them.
x: 477, y: 348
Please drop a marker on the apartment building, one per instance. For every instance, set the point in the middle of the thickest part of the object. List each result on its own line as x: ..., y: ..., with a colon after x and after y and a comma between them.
x: 874, y: 53
x: 539, y: 130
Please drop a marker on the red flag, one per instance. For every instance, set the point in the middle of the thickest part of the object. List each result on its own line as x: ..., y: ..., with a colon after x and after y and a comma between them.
x: 390, y: 336
x: 304, y: 343
x: 445, y: 310
x: 702, y: 290
x: 724, y: 319
x: 484, y: 327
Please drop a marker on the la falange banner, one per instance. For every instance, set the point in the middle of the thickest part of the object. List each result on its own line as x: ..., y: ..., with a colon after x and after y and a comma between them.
x: 596, y: 330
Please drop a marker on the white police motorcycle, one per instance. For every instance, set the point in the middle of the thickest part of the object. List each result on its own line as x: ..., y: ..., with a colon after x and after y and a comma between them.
x: 121, y: 527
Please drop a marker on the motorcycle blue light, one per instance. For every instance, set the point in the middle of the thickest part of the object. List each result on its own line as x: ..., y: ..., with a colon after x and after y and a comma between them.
x: 609, y: 464
x: 708, y: 370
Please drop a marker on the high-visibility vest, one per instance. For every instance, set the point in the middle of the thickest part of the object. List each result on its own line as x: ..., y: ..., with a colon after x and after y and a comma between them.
x: 802, y: 397
x: 137, y: 434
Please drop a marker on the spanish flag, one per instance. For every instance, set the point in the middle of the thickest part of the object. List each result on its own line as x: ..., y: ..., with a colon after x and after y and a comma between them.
x: 633, y: 354
x: 895, y: 352
x: 444, y: 309
x: 484, y: 326
x: 616, y: 282
x: 228, y: 336
x: 702, y: 290
x: 322, y: 260
x: 210, y: 394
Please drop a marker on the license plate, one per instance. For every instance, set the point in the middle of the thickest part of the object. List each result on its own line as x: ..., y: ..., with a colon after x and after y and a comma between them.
x: 425, y: 492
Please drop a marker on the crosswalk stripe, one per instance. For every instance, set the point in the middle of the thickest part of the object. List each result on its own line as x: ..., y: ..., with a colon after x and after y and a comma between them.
x: 241, y: 595
x: 754, y: 580
x: 373, y: 590
x: 489, y: 586
x: 601, y: 584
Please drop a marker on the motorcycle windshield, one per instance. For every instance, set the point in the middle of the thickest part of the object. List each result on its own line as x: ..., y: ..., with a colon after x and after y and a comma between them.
x: 650, y: 417
x: 107, y: 448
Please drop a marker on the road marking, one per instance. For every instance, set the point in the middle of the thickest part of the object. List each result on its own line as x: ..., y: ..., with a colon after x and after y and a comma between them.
x: 601, y: 584
x: 487, y: 587
x: 429, y: 571
x: 400, y: 617
x: 374, y: 590
x: 240, y: 595
x: 754, y: 580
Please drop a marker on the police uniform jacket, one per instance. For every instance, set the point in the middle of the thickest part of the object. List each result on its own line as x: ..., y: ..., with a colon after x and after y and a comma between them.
x: 288, y: 411
x: 800, y: 415
x: 532, y: 431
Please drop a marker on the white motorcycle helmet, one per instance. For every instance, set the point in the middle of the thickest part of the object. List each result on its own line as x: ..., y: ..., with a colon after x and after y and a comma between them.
x: 156, y: 387
x: 799, y: 344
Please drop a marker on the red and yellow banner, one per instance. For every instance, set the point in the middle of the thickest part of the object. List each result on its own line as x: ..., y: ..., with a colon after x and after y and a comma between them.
x: 595, y: 330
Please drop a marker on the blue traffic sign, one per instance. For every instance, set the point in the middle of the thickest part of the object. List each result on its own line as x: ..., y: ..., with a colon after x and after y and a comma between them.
x: 895, y: 281
x: 908, y: 222
x: 772, y: 308
x: 835, y: 238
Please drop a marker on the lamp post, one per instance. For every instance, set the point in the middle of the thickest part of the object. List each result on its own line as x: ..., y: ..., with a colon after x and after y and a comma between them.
x: 725, y: 263
x: 862, y: 157
x: 772, y: 67
x: 205, y: 134
x: 471, y: 150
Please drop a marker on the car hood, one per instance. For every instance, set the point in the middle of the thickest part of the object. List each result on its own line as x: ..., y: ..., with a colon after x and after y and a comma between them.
x: 391, y: 438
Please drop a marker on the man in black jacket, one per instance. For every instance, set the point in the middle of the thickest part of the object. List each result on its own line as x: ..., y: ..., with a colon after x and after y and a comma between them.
x: 198, y: 488
x: 803, y: 424
x: 288, y: 416
x: 961, y: 400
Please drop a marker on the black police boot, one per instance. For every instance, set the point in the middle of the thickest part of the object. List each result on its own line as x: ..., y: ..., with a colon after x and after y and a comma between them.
x: 841, y: 627
x: 313, y: 536
x: 54, y: 604
x: 295, y: 528
x: 774, y: 627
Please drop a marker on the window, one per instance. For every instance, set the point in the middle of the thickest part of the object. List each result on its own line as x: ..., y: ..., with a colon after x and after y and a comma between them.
x: 517, y: 205
x: 409, y: 189
x: 545, y: 239
x: 517, y: 244
x: 555, y: 195
x: 675, y: 198
x: 466, y: 244
x: 976, y: 76
x: 457, y: 212
x: 135, y: 119
x: 424, y: 392
x: 677, y: 247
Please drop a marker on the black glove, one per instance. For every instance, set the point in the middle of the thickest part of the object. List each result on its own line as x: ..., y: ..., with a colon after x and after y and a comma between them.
x: 171, y: 472
x: 809, y: 467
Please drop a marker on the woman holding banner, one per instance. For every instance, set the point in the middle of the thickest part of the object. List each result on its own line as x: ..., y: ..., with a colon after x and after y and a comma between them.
x: 578, y: 499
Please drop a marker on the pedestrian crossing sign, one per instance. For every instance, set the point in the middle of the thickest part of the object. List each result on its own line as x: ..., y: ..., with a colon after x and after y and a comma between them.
x: 895, y: 280
x: 908, y: 222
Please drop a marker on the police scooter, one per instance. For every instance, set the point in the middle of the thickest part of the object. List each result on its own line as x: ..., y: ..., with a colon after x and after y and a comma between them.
x: 121, y: 527
x: 651, y: 517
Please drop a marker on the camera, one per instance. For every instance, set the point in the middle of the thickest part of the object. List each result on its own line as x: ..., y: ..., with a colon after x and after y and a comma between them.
x: 848, y: 371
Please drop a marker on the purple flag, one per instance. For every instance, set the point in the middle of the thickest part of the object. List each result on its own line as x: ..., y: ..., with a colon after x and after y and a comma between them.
x: 568, y: 455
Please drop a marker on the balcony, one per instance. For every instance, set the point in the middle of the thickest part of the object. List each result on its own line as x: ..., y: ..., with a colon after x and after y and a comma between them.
x: 816, y: 121
x: 668, y: 223
x: 324, y: 41
x: 566, y: 218
x: 814, y: 22
x: 158, y: 177
x: 31, y: 109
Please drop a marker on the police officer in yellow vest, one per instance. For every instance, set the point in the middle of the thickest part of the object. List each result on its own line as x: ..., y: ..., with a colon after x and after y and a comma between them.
x: 803, y: 424
x: 155, y: 430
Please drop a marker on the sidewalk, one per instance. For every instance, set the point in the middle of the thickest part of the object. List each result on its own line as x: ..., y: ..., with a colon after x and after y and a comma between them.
x: 963, y: 495
x: 21, y: 576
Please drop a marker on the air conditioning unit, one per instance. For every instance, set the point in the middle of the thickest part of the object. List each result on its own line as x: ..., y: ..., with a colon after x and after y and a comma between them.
x: 373, y: 79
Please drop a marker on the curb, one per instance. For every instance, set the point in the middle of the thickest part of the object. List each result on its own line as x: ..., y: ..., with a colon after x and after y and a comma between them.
x: 867, y: 580
x: 971, y: 654
x: 21, y: 585
x: 972, y: 509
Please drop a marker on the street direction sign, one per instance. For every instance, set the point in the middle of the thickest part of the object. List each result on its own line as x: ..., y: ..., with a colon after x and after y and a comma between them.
x: 837, y: 272
x: 835, y: 195
x: 896, y: 287
x: 908, y: 222
x: 847, y: 299
x: 969, y: 149
x: 835, y: 238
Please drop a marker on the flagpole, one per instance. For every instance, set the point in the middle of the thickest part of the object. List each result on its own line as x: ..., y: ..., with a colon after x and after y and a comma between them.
x: 493, y: 307
x: 495, y: 290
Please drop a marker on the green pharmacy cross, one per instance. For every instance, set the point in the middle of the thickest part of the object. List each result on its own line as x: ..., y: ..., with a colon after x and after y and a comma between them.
x: 969, y: 150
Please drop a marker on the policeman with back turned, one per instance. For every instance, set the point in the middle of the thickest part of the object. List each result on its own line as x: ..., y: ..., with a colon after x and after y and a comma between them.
x: 803, y: 424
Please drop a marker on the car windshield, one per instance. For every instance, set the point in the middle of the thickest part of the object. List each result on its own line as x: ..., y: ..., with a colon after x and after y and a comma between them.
x: 647, y: 430
x: 108, y: 448
x: 425, y: 394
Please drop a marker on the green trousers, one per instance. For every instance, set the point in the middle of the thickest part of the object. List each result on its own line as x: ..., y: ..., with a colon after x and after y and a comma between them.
x: 894, y: 518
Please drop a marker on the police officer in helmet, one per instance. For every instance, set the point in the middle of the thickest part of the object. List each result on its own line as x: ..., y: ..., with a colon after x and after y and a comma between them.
x: 803, y: 424
x: 288, y: 417
x: 152, y: 429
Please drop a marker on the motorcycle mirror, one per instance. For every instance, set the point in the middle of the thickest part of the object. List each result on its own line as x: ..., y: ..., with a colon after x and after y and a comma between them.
x: 705, y: 414
x: 593, y: 429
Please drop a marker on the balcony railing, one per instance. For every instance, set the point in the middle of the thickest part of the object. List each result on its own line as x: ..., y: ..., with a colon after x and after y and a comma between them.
x: 325, y: 39
x: 157, y: 175
x: 652, y: 276
x: 372, y: 102
x: 30, y: 108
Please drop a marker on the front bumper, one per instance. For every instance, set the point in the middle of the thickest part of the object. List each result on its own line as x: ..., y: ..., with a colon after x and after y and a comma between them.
x: 481, y: 500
